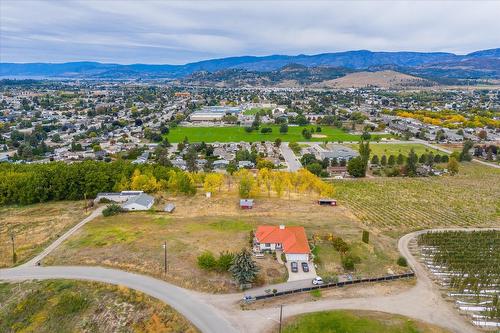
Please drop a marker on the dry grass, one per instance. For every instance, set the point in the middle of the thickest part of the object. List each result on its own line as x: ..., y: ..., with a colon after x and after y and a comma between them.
x: 352, y: 291
x: 134, y: 241
x: 34, y: 227
x: 76, y: 306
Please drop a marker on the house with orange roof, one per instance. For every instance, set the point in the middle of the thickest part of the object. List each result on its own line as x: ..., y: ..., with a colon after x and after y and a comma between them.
x: 291, y: 240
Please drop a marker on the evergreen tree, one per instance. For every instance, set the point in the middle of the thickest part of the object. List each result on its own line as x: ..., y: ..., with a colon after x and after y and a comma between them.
x: 401, y: 159
x: 383, y: 160
x: 243, y: 268
x: 391, y: 161
x: 411, y: 163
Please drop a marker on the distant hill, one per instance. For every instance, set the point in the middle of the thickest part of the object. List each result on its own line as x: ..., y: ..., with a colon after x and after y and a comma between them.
x: 382, y: 79
x: 274, y: 68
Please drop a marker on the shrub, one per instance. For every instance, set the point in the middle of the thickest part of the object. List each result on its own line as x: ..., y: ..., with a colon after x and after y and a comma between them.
x: 340, y: 245
x: 224, y: 262
x: 111, y: 210
x: 251, y: 237
x: 349, y: 261
x: 331, y: 279
x: 283, y: 257
x: 402, y: 262
x: 105, y: 200
x: 207, y: 261
x: 316, y: 293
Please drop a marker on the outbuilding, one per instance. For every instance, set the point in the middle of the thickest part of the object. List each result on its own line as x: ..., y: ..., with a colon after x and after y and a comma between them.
x: 327, y: 202
x: 246, y: 203
x: 169, y: 208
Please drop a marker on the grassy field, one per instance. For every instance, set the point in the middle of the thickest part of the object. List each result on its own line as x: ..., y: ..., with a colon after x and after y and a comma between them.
x: 254, y: 111
x: 238, y: 134
x: 133, y: 241
x: 34, y: 227
x: 71, y: 306
x: 357, y: 322
x: 397, y: 148
x: 400, y: 205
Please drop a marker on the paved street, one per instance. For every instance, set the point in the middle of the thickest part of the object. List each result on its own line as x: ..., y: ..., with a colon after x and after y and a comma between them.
x: 290, y: 158
x: 222, y: 313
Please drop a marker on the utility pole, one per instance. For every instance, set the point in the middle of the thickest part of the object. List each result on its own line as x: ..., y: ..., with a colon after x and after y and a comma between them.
x: 14, y: 257
x: 165, y: 256
x: 281, y: 315
x: 85, y: 199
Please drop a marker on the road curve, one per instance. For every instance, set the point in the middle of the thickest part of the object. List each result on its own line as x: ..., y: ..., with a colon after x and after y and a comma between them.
x: 220, y: 313
x: 203, y: 315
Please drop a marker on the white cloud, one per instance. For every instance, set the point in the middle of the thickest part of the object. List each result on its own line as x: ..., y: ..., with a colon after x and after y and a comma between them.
x: 178, y: 32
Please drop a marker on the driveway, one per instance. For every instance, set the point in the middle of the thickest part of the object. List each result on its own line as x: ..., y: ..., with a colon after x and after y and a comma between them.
x: 301, y: 275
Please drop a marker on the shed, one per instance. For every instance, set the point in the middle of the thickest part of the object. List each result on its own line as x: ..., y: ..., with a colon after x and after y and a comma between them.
x: 246, y: 203
x: 169, y: 208
x: 327, y: 202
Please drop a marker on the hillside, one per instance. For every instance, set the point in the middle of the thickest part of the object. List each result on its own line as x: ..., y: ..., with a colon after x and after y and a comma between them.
x: 479, y: 64
x: 382, y: 79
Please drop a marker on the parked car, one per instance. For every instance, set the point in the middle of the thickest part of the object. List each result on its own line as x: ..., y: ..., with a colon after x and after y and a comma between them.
x: 305, y: 267
x: 294, y: 266
x: 317, y: 281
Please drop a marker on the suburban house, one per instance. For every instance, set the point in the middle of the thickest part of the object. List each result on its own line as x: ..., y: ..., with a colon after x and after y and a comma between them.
x: 142, y: 201
x: 116, y: 196
x: 291, y: 240
x: 130, y: 200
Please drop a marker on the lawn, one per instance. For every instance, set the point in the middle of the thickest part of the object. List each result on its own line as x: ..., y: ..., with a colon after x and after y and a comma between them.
x: 238, y: 134
x: 34, y: 227
x: 373, y: 261
x: 133, y: 241
x: 399, y: 205
x: 253, y: 111
x: 357, y: 322
x: 397, y: 148
x: 71, y: 306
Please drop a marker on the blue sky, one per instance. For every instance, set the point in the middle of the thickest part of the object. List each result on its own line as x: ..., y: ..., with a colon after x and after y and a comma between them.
x: 154, y: 31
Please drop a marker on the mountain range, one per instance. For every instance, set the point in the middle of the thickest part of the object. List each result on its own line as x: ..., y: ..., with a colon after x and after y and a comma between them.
x: 434, y: 66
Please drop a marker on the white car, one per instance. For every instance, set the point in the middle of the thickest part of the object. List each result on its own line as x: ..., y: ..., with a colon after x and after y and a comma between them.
x: 317, y: 281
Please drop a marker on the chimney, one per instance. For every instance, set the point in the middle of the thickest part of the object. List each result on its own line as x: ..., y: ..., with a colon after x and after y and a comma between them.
x: 282, y: 227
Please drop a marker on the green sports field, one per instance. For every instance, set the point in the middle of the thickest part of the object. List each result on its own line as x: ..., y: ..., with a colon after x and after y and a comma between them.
x: 237, y: 134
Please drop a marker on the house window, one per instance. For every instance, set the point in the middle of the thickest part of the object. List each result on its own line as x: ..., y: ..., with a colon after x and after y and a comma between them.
x: 268, y: 244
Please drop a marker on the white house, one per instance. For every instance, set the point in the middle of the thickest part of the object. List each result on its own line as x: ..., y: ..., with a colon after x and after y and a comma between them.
x: 139, y: 202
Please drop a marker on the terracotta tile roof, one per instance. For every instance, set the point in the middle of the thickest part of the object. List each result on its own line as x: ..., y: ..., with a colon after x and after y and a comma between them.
x: 294, y: 239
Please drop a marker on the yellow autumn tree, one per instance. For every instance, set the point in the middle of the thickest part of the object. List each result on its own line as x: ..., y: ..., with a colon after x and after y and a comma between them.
x: 265, y: 177
x: 247, y: 186
x: 279, y: 180
x: 213, y: 182
x: 143, y: 182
